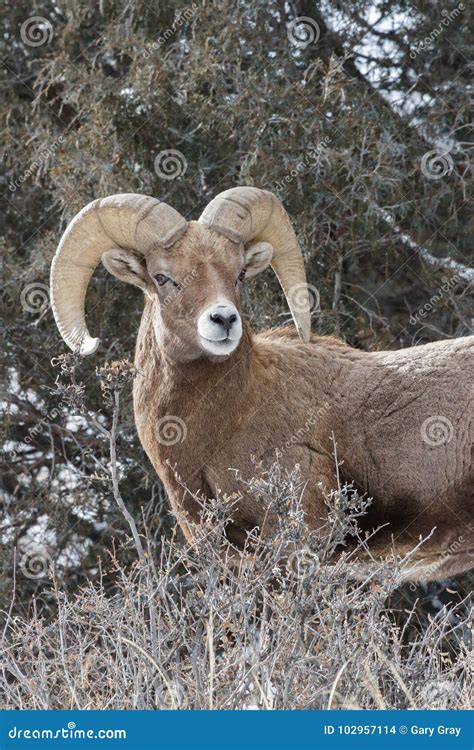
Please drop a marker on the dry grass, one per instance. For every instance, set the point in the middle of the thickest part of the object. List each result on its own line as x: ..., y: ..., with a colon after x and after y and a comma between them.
x: 288, y: 629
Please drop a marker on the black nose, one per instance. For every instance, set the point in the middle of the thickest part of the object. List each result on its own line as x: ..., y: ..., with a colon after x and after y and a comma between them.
x: 224, y: 319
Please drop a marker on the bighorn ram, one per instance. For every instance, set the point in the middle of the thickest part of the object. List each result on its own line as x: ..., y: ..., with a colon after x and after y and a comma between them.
x: 400, y: 418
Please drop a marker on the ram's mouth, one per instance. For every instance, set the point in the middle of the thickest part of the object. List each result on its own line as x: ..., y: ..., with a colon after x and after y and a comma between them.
x: 218, y: 341
x: 219, y: 346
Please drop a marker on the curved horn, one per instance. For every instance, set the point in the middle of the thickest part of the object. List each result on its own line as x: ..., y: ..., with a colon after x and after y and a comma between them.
x: 135, y: 222
x: 243, y: 214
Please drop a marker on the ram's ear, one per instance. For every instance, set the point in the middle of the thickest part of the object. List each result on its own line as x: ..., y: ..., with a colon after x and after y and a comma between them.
x: 126, y: 266
x: 258, y: 256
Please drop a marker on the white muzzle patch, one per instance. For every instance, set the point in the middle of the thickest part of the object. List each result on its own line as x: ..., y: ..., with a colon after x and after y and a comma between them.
x: 220, y: 328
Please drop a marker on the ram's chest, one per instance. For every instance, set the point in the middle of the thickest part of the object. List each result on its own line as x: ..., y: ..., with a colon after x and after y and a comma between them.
x: 195, y: 433
x: 253, y: 443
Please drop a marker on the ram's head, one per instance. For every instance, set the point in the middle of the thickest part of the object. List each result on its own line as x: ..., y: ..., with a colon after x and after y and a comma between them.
x: 190, y: 271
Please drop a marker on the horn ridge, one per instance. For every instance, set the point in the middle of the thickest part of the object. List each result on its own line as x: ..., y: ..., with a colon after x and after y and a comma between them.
x: 129, y: 220
x: 266, y: 221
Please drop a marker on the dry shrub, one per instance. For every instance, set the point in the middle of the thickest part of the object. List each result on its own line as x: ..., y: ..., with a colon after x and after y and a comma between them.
x: 285, y: 627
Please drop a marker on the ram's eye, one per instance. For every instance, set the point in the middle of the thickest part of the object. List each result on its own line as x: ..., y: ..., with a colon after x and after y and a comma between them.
x: 242, y: 274
x: 161, y: 279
